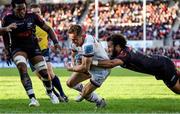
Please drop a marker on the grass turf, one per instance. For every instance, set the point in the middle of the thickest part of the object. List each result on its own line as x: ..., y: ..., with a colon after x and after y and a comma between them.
x: 125, y: 92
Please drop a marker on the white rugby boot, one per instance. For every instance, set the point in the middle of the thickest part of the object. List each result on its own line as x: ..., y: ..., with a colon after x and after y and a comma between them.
x: 54, y: 99
x: 34, y: 102
x: 101, y: 103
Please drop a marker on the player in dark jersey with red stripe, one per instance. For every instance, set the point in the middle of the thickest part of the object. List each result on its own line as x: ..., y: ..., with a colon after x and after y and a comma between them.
x: 159, y: 66
x: 22, y: 45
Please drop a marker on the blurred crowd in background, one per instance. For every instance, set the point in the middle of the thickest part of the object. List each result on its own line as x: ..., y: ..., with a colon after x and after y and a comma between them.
x: 124, y: 17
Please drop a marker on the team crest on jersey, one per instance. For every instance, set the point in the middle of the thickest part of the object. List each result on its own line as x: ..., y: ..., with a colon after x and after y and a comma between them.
x: 29, y: 25
x: 37, y: 50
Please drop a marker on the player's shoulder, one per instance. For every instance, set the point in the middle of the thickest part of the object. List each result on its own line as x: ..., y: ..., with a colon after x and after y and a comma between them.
x: 30, y: 14
x: 89, y: 39
x: 7, y: 16
x: 88, y: 36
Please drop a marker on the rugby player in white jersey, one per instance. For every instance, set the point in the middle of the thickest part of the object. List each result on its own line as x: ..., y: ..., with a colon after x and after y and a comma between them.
x: 87, y: 47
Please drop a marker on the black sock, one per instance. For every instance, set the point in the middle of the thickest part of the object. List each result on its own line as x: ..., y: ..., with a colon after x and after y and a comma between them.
x: 57, y: 84
x: 55, y: 92
x: 27, y: 84
x: 48, y: 86
x: 31, y: 96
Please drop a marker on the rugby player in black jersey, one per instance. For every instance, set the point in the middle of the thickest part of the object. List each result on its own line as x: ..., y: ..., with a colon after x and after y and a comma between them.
x: 159, y: 66
x: 22, y: 46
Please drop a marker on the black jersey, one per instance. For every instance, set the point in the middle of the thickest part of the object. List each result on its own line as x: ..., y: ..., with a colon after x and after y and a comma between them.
x: 24, y: 35
x: 137, y: 61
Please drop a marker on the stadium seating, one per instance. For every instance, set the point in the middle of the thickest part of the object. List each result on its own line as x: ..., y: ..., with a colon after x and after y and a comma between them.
x: 123, y: 17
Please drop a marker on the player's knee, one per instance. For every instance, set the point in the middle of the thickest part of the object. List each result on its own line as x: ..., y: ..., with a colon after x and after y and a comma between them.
x: 41, y: 68
x: 22, y: 68
x: 69, y: 83
x: 84, y: 94
x: 21, y: 63
x: 19, y: 59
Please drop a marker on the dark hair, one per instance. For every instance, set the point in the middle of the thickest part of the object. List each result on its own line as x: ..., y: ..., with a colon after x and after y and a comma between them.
x: 35, y: 6
x: 13, y: 2
x: 118, y: 39
x: 77, y: 29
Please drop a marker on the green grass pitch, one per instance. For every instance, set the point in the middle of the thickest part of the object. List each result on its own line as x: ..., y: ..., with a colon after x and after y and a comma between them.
x: 125, y: 92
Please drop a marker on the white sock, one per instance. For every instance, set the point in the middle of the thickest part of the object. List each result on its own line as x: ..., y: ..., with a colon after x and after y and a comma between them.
x: 93, y: 97
x: 78, y: 87
x: 29, y: 92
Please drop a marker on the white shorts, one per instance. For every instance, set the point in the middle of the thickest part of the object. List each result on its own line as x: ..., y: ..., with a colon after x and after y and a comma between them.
x: 98, y: 75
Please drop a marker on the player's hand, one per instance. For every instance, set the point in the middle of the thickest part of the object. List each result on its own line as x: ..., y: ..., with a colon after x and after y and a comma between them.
x: 10, y: 27
x: 68, y: 66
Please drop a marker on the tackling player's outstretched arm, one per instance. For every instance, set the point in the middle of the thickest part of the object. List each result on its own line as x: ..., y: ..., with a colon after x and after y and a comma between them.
x: 108, y: 63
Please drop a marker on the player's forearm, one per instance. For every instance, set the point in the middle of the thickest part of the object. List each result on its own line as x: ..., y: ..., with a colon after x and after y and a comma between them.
x: 84, y: 67
x: 79, y: 68
x: 53, y: 36
x: 107, y: 63
x: 51, y: 33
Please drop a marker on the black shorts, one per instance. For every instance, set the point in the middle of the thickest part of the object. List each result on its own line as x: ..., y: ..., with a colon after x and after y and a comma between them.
x: 168, y: 74
x: 31, y: 52
x: 45, y: 54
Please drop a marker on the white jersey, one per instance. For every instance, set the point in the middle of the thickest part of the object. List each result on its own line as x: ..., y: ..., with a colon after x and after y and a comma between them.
x: 92, y: 48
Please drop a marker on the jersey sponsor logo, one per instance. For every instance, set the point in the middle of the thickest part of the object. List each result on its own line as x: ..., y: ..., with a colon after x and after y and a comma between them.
x: 37, y: 50
x: 88, y: 49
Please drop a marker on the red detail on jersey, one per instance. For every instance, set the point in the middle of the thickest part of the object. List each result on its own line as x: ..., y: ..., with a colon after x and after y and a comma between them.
x: 25, y: 34
x: 8, y: 13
